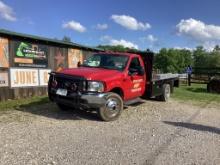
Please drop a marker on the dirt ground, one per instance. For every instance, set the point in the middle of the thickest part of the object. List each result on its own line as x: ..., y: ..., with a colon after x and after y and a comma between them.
x: 149, y: 133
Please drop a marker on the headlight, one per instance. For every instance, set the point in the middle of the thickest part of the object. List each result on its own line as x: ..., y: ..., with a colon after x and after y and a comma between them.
x: 95, y: 86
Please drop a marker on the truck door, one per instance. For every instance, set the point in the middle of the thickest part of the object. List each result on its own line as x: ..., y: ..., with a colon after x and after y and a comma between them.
x: 136, y: 79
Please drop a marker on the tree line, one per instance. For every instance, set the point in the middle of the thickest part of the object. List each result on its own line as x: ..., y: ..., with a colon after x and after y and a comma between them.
x: 176, y: 60
x: 171, y: 60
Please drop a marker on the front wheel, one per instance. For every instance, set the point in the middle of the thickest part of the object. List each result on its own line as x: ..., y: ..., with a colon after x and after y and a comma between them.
x: 112, y: 108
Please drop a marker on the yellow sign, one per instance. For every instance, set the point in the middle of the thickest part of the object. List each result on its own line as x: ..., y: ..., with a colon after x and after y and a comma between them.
x: 23, y: 60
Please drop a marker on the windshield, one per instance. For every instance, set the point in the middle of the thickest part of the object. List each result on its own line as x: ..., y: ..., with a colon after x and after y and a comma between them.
x: 107, y: 61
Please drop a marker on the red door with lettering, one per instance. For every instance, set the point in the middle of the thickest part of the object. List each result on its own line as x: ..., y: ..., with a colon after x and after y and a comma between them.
x: 135, y: 82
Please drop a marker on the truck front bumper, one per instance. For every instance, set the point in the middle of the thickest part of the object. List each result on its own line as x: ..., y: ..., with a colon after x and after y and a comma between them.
x: 79, y: 100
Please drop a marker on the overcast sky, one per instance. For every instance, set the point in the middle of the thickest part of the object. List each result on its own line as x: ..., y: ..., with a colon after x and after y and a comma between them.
x: 133, y: 23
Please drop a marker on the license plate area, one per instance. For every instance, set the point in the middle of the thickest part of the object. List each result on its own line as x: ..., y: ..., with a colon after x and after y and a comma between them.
x: 61, y: 92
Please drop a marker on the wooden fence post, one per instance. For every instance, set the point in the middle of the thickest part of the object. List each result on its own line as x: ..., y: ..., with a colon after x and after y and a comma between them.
x: 189, y: 79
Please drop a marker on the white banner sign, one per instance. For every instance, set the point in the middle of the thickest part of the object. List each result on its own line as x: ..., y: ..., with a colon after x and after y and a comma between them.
x: 24, y: 77
x: 44, y: 76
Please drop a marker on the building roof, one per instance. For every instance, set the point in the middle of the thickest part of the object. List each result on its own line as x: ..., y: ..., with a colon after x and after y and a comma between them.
x: 46, y: 40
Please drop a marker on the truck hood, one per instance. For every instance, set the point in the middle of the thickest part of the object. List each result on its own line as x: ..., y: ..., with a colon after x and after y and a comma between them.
x: 91, y: 73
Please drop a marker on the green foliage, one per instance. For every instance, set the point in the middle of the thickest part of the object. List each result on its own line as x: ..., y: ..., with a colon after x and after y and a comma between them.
x: 117, y: 48
x: 32, y: 101
x: 201, y: 57
x: 66, y: 39
x: 205, y: 59
x: 176, y: 60
x: 172, y: 60
x: 214, y: 58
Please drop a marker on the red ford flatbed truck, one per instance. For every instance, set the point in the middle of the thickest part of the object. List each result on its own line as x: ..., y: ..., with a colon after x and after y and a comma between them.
x: 107, y: 81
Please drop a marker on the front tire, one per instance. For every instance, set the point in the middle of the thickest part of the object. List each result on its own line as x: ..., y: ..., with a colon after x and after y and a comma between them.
x: 112, y: 108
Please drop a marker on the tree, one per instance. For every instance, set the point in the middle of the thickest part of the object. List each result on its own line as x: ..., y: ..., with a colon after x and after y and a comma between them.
x: 66, y: 39
x: 216, y: 49
x: 117, y: 48
x: 214, y: 59
x: 200, y: 57
x: 172, y: 60
x: 185, y: 59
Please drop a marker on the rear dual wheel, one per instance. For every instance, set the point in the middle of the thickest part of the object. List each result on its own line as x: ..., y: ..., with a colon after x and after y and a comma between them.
x: 165, y: 93
x: 112, y: 108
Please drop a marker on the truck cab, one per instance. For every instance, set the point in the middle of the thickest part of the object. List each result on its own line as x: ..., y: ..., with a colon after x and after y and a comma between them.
x: 104, y: 82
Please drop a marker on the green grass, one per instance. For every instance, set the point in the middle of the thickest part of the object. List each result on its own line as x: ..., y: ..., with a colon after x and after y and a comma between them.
x: 196, y: 93
x: 32, y: 101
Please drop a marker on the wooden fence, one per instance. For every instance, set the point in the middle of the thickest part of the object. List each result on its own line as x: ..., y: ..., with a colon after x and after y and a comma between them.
x: 203, y: 75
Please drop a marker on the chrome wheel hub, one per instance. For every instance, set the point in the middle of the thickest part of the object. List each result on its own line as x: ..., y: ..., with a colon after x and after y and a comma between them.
x: 111, y: 105
x: 167, y: 92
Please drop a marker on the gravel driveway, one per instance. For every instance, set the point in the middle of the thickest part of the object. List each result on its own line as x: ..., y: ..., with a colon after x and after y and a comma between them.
x: 150, y: 133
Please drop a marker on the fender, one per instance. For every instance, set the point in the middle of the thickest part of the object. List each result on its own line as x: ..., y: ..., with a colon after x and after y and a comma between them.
x: 115, y: 82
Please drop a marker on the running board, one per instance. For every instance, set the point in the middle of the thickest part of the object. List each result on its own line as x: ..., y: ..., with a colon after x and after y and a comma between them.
x: 133, y: 101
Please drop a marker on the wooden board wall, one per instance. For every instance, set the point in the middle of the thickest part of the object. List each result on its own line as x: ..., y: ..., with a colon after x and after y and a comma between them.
x: 25, y: 92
